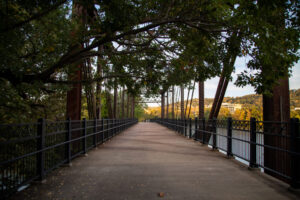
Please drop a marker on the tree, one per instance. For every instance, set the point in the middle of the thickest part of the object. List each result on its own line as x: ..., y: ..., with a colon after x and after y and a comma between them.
x: 164, y: 43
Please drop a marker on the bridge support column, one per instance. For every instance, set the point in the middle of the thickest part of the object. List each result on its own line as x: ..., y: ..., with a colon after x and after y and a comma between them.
x: 276, y: 111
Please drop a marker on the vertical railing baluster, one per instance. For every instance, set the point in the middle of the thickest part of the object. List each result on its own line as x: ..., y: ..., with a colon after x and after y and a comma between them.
x: 214, y: 132
x: 95, y: 133
x: 102, y: 130
x: 252, y: 163
x: 190, y: 132
x: 295, y: 153
x: 229, y: 137
x: 203, y: 131
x: 68, y: 140
x: 185, y: 127
x: 40, y: 148
x: 84, y: 136
x: 196, y: 129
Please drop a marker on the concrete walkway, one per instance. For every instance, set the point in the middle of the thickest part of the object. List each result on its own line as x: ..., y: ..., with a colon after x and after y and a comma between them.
x: 149, y: 159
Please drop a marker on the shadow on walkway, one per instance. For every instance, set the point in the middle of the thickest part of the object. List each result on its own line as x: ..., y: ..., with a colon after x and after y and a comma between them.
x: 148, y: 159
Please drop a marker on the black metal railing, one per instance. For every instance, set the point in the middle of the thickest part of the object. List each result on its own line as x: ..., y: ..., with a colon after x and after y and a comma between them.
x: 30, y: 151
x: 272, y: 147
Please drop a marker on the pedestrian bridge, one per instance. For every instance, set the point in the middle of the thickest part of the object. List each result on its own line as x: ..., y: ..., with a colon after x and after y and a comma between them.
x: 150, y: 161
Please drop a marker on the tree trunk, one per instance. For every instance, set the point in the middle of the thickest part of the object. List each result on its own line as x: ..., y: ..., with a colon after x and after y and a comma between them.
x: 191, y: 101
x: 201, y: 100
x: 276, y: 108
x: 182, y: 102
x: 187, y: 100
x: 74, y: 95
x: 162, y: 105
x: 132, y: 106
x: 173, y: 108
x: 115, y: 100
x: 89, y: 90
x: 128, y: 104
x: 109, y: 104
x: 123, y: 104
x: 98, y: 86
x: 167, y: 110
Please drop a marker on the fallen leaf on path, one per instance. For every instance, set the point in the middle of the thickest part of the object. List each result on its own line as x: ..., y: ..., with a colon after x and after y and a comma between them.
x: 161, y: 194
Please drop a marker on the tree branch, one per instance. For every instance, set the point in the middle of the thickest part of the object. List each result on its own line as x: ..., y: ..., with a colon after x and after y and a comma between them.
x: 36, y: 16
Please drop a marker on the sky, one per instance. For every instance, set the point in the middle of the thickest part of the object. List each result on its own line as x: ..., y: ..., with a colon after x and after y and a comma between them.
x: 210, y: 86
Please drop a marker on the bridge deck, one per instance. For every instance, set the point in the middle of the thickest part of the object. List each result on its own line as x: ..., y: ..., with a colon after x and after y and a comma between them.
x: 148, y: 159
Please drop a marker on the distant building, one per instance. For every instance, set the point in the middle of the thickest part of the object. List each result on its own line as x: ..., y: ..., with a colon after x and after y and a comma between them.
x: 231, y: 107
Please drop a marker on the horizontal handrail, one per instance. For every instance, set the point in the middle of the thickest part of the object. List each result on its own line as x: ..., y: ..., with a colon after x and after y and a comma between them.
x: 261, y: 144
x: 30, y: 151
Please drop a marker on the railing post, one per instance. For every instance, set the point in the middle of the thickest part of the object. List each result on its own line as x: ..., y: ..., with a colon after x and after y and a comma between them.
x: 102, y: 130
x: 190, y: 132
x: 113, y: 128
x: 229, y: 137
x: 185, y: 127
x: 95, y: 133
x: 84, y: 136
x: 295, y: 153
x: 106, y: 135
x: 116, y: 126
x: 109, y: 128
x: 214, y: 130
x: 203, y: 131
x: 174, y: 124
x: 252, y: 163
x: 110, y: 125
x: 40, y: 147
x: 196, y: 128
x: 181, y: 127
x: 68, y: 139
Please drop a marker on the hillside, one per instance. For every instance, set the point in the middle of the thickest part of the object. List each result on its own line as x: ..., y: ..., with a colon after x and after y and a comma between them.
x: 255, y: 99
x: 251, y: 106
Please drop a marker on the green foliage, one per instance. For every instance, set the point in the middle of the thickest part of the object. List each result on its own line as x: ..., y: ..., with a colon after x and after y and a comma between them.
x: 272, y: 43
x: 27, y: 51
x: 148, y: 46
